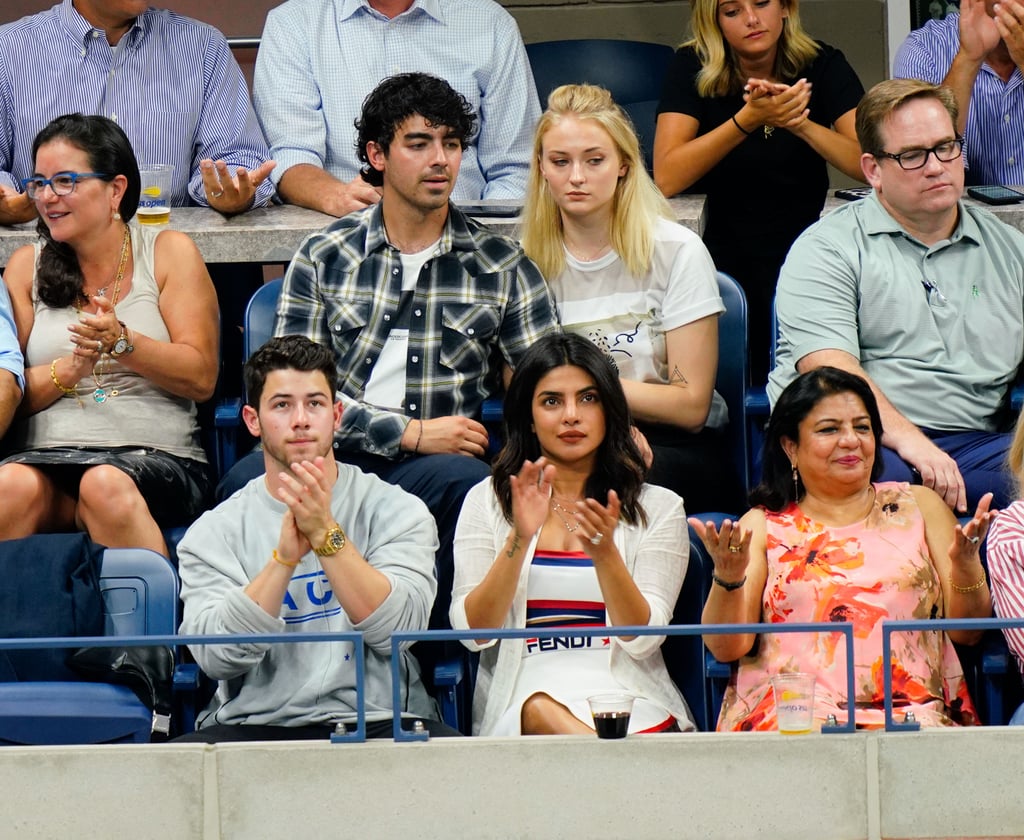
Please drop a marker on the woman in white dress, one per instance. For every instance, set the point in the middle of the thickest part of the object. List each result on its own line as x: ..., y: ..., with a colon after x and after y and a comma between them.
x: 567, y: 534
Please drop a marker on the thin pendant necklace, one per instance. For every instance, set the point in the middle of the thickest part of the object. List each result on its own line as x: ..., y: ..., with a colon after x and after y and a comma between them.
x: 571, y: 526
x: 100, y: 394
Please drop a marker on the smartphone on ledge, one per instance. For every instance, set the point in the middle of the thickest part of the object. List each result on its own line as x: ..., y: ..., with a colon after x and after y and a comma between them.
x: 853, y: 193
x: 995, y: 194
x: 497, y: 207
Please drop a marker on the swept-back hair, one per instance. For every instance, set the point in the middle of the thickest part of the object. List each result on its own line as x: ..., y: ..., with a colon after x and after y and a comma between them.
x: 399, y: 97
x: 618, y: 464
x: 636, y: 205
x: 287, y: 352
x: 720, y: 70
x: 59, y: 276
x: 885, y: 98
x: 776, y: 489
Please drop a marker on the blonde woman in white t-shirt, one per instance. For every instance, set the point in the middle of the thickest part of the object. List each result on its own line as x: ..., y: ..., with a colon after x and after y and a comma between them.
x: 634, y: 282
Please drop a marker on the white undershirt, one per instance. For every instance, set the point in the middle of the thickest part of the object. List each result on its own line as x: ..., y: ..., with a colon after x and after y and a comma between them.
x: 386, y: 386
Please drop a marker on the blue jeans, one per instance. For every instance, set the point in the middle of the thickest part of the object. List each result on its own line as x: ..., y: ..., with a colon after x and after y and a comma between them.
x: 981, y: 457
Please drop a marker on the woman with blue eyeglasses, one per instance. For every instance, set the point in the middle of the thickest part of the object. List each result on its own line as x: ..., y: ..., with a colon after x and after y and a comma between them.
x: 119, y: 327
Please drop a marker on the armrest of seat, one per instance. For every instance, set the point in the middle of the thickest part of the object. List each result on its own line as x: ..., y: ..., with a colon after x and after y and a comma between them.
x: 716, y: 675
x: 448, y: 674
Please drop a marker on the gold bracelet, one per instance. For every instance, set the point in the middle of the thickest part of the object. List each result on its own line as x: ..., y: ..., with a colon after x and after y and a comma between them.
x: 974, y: 587
x: 277, y: 559
x: 60, y: 385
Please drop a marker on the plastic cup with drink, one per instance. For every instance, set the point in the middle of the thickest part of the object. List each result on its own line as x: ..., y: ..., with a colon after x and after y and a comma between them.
x: 611, y: 713
x: 794, y: 702
x: 155, y: 200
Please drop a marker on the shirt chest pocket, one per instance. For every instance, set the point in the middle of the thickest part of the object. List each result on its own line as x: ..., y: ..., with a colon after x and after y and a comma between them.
x: 467, y: 332
x: 347, y: 320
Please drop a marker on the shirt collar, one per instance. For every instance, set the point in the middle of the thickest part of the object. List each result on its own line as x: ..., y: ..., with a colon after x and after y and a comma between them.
x: 81, y: 30
x: 456, y: 235
x: 351, y: 7
x: 877, y: 220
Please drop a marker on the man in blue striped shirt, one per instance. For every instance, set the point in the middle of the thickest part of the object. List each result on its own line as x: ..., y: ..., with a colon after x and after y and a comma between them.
x: 319, y: 59
x: 978, y: 54
x: 169, y: 81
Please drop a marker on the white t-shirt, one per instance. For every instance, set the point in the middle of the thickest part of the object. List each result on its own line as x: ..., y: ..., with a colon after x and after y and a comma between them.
x: 627, y: 316
x: 386, y: 386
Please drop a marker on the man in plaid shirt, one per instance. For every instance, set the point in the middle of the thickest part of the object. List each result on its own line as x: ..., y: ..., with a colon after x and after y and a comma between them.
x: 423, y: 307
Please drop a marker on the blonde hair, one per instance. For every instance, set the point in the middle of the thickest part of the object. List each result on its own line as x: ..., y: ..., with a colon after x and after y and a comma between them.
x: 720, y: 71
x: 636, y: 206
x: 1015, y: 456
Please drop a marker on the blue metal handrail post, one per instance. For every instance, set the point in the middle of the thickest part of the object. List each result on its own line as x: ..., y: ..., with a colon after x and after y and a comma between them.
x: 353, y: 636
x: 937, y: 625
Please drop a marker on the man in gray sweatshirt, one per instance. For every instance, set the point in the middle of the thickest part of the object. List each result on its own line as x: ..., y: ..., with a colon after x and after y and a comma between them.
x: 311, y: 546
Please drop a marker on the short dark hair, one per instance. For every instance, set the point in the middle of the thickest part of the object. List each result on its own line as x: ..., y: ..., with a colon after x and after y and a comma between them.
x: 287, y: 352
x: 776, y: 489
x: 399, y: 97
x: 110, y: 152
x: 619, y: 466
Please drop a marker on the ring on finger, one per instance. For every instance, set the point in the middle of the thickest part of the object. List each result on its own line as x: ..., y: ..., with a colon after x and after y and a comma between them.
x: 974, y: 540
x: 596, y: 539
x: 734, y: 549
x: 216, y: 194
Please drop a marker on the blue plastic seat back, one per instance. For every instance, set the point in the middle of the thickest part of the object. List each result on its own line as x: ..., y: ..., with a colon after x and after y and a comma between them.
x: 258, y: 327
x: 732, y: 379
x: 140, y: 597
x: 632, y: 71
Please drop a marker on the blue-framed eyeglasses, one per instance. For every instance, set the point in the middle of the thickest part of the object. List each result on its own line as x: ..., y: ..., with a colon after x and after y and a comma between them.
x: 946, y: 151
x: 63, y: 183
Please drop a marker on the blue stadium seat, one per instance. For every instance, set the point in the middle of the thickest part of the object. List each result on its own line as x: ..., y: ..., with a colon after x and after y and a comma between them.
x: 632, y: 71
x: 140, y: 597
x: 732, y: 378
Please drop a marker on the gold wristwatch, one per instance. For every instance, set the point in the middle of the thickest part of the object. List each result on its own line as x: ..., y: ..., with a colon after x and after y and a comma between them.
x: 334, y: 541
x: 122, y: 345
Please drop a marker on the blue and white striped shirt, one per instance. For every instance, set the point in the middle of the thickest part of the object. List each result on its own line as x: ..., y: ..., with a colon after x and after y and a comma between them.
x: 994, y: 139
x: 171, y: 83
x: 320, y: 58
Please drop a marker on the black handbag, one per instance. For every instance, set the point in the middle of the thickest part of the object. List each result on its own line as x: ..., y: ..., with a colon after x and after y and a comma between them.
x: 148, y: 671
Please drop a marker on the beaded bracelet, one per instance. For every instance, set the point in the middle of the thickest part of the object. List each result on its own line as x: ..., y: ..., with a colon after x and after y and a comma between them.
x: 277, y: 559
x: 60, y: 385
x: 974, y: 587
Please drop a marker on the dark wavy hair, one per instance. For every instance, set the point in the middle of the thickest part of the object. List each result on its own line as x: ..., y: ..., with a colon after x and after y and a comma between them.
x: 776, y: 489
x: 287, y: 352
x: 399, y: 97
x: 618, y: 464
x: 59, y: 276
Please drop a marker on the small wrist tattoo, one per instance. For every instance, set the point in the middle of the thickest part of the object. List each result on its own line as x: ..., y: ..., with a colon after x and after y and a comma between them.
x: 514, y: 547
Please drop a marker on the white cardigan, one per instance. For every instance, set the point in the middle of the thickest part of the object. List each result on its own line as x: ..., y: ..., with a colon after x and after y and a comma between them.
x: 656, y: 556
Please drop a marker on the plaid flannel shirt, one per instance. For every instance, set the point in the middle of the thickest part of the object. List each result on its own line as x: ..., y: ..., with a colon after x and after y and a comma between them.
x: 478, y: 302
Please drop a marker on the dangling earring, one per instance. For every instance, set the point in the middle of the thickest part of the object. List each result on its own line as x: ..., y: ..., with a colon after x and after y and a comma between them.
x: 796, y: 482
x: 116, y: 217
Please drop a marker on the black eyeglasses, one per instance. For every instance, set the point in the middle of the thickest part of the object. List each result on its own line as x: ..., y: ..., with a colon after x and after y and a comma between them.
x: 946, y: 151
x: 63, y: 183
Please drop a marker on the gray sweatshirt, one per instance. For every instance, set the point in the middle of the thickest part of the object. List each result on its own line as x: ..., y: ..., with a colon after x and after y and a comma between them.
x: 307, y: 683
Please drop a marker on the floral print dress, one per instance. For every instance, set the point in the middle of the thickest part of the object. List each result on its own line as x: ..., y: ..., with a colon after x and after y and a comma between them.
x: 864, y: 573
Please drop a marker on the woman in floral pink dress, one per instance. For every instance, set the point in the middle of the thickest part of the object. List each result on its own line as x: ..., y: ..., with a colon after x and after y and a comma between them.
x: 826, y: 543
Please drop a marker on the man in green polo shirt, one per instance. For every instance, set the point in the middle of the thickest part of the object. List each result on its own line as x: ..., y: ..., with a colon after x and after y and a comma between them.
x: 918, y: 293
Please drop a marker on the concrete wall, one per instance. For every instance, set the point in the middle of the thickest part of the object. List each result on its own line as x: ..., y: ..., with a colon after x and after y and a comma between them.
x: 931, y: 784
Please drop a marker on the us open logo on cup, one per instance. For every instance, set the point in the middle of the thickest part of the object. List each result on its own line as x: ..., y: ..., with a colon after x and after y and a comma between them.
x: 154, y: 201
x: 794, y: 702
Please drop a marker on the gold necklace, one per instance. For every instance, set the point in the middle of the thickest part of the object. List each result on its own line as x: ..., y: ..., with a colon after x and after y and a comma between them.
x: 572, y: 527
x: 100, y: 394
x: 768, y: 131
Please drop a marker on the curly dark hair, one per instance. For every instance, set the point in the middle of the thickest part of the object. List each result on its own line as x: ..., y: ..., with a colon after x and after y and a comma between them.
x: 59, y: 276
x: 287, y: 352
x: 399, y: 97
x: 618, y: 465
x: 776, y: 489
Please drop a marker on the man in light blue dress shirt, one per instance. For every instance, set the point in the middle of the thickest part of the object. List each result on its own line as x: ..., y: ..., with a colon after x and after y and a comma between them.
x: 12, y: 365
x: 169, y: 81
x: 977, y: 54
x: 319, y: 59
